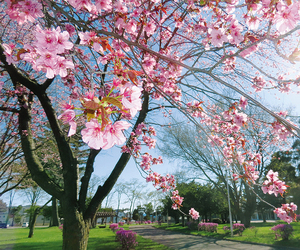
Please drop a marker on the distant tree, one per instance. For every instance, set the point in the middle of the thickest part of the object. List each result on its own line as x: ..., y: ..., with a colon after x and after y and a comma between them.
x: 47, y: 213
x: 148, y: 209
x: 119, y: 191
x: 14, y: 211
x: 133, y: 191
x: 206, y: 199
x: 189, y: 146
x: 135, y: 214
x: 33, y: 194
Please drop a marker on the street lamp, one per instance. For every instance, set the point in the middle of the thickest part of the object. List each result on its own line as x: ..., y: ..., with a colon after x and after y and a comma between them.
x: 229, y: 207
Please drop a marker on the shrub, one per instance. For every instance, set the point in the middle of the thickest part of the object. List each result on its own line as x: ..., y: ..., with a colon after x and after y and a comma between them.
x: 238, y: 228
x: 192, y: 225
x: 216, y: 220
x: 127, y: 239
x: 283, y: 230
x: 113, y: 226
x: 226, y: 229
x: 121, y: 223
x: 208, y: 227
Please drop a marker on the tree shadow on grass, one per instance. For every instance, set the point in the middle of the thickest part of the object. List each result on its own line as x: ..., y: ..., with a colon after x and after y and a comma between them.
x: 288, y: 243
x: 53, y: 245
x: 266, y: 224
x: 107, y: 243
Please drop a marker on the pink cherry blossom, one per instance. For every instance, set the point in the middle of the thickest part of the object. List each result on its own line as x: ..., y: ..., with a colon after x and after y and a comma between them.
x: 286, y: 212
x: 131, y: 99
x: 68, y: 117
x: 62, y: 65
x: 259, y: 83
x: 252, y: 22
x: 287, y: 16
x: 131, y: 27
x: 193, y: 213
x: 8, y: 51
x: 24, y: 11
x: 240, y: 119
x: 243, y: 102
x: 105, y: 5
x: 249, y: 51
x: 113, y: 134
x: 92, y: 135
x: 150, y: 28
x: 218, y: 37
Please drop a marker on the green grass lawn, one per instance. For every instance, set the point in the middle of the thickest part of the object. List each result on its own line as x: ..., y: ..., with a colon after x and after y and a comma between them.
x: 51, y: 239
x: 264, y: 233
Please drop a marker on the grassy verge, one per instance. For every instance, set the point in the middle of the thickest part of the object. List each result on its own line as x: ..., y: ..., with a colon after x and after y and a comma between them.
x: 264, y: 234
x: 51, y: 239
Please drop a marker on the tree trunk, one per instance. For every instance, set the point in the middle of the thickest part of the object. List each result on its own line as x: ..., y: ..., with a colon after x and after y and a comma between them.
x: 75, y: 229
x: 32, y: 222
x: 94, y: 223
x: 54, y: 219
x: 264, y: 217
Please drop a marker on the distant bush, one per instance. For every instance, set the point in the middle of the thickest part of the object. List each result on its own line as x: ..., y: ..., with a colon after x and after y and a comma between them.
x: 283, y: 230
x: 114, y: 226
x: 238, y: 228
x: 127, y: 239
x: 208, y: 227
x: 216, y: 220
x: 226, y: 229
x: 121, y: 223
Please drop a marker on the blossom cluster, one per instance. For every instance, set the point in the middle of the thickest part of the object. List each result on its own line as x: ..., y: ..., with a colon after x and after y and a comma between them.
x: 286, y: 212
x: 273, y: 185
x: 194, y: 214
x: 177, y: 201
x: 24, y: 11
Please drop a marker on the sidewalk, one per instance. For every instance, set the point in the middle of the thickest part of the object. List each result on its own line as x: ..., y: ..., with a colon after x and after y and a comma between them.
x: 192, y: 242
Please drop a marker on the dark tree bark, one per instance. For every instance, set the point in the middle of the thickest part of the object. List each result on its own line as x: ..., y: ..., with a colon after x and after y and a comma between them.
x: 32, y: 221
x: 54, y: 218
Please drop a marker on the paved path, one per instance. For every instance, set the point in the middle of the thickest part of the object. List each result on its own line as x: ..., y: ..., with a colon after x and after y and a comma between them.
x: 193, y: 242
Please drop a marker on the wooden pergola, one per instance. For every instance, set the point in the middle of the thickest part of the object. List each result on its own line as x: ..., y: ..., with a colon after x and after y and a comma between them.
x: 104, y: 215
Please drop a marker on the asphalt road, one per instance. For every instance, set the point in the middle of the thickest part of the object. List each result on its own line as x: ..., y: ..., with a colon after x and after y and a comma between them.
x: 193, y: 242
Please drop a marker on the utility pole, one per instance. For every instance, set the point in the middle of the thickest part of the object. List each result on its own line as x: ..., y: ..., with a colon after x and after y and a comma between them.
x: 229, y: 207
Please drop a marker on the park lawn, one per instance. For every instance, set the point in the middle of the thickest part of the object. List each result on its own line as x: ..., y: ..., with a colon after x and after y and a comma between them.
x: 264, y: 233
x: 51, y: 239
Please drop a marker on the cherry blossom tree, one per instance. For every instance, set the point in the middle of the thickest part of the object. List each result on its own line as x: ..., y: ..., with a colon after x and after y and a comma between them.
x: 110, y: 66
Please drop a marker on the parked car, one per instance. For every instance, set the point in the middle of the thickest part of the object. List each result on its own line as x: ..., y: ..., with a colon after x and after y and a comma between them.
x: 25, y: 224
x: 4, y: 225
